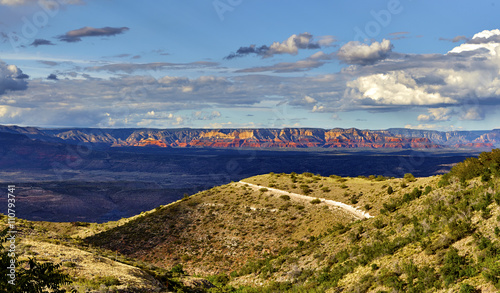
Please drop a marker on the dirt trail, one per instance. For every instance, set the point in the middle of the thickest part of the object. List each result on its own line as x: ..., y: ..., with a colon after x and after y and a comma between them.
x: 350, y: 209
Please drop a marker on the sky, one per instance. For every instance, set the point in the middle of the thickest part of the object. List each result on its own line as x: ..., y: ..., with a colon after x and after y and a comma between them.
x: 250, y: 64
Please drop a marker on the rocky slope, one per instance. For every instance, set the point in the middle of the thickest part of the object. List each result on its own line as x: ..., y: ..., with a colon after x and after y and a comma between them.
x: 267, y: 138
x: 434, y: 234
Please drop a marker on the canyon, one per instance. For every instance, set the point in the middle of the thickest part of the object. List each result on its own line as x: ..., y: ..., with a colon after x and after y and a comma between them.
x: 394, y: 138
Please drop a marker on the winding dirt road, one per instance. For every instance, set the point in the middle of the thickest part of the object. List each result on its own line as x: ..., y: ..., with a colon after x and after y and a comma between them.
x: 359, y: 214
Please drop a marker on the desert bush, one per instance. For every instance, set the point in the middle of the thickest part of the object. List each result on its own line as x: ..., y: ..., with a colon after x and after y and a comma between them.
x: 466, y: 288
x: 444, y: 181
x: 455, y: 267
x: 379, y: 224
x: 409, y: 177
x: 305, y: 188
x: 316, y: 201
x: 285, y: 197
x: 390, y: 190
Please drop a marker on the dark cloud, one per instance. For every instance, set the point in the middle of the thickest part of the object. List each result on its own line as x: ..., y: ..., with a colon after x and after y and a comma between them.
x: 11, y: 78
x: 302, y: 65
x: 455, y: 39
x: 398, y: 35
x: 289, y: 46
x: 49, y: 63
x: 252, y: 49
x: 314, y: 61
x: 136, y: 57
x: 52, y: 76
x: 484, y: 40
x: 41, y: 42
x: 131, y: 67
x: 77, y: 35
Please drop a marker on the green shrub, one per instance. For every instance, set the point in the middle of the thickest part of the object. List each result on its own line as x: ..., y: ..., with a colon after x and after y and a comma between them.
x: 379, y: 224
x: 409, y: 177
x: 390, y: 190
x: 455, y: 267
x: 316, y: 201
x: 285, y: 197
x: 178, y: 269
x: 444, y: 181
x: 466, y: 288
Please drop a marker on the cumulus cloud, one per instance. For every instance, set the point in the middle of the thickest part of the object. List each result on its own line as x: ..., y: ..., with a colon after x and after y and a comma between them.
x: 486, y: 36
x: 486, y: 40
x: 437, y: 114
x: 355, y: 52
x: 465, y: 78
x: 291, y: 46
x: 11, y: 78
x: 394, y: 88
x: 473, y: 113
x: 41, y: 42
x: 428, y: 83
x: 77, y: 35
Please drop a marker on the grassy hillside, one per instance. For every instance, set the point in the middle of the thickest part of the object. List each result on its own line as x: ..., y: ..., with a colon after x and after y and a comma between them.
x: 434, y: 234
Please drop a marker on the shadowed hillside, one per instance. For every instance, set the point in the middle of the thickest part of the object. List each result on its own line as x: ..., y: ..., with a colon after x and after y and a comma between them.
x: 432, y: 234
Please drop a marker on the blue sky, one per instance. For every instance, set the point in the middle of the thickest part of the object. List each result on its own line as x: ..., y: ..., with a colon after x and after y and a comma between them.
x: 242, y: 63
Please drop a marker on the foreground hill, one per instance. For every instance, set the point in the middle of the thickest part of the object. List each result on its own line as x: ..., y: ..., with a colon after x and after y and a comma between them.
x: 434, y: 234
x: 265, y: 138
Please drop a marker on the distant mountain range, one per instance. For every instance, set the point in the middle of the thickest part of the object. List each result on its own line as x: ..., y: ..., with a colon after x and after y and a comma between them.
x: 393, y: 138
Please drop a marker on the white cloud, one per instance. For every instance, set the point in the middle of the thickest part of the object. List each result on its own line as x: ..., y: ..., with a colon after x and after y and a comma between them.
x: 11, y: 78
x: 473, y: 113
x: 487, y: 39
x: 358, y: 53
x: 291, y: 46
x: 434, y: 127
x: 437, y: 114
x: 317, y: 108
x: 309, y: 100
x: 394, y: 88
